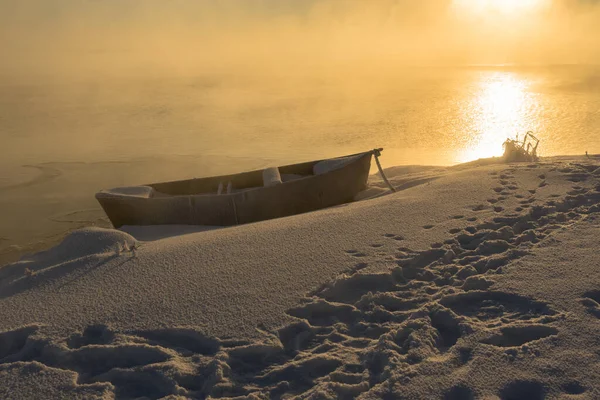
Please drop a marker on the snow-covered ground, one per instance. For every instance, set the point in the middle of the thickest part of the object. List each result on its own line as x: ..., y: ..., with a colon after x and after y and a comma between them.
x: 474, y: 281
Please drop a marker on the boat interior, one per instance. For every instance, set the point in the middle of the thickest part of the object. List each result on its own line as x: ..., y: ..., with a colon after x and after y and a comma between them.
x: 235, y: 183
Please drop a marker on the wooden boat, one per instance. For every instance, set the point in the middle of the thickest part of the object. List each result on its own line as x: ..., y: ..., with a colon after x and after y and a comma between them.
x: 250, y: 196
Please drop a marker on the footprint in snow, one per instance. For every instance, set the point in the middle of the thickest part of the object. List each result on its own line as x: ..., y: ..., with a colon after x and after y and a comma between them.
x: 591, y: 300
x: 355, y: 253
x: 394, y: 236
x: 357, y: 267
x: 573, y: 387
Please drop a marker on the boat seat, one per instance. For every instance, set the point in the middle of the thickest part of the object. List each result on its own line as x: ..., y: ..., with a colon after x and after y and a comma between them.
x: 271, y: 177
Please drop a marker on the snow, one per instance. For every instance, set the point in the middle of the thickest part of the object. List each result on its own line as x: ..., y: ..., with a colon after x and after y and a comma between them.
x: 471, y: 281
x: 144, y: 192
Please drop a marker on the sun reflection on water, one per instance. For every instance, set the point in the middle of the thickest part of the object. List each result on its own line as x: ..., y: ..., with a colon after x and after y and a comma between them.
x: 499, y: 108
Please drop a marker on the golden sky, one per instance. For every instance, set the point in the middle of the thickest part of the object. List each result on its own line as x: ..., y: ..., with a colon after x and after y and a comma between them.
x: 188, y: 35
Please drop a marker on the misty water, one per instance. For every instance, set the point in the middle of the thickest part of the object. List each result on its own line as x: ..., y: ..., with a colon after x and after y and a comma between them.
x: 419, y: 115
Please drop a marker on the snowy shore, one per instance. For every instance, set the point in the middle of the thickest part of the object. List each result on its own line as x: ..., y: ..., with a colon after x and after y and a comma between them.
x: 474, y: 281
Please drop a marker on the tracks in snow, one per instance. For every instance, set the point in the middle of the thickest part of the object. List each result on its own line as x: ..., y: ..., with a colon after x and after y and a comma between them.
x: 360, y: 334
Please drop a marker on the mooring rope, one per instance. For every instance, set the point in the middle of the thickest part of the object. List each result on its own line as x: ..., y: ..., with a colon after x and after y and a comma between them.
x: 377, y: 153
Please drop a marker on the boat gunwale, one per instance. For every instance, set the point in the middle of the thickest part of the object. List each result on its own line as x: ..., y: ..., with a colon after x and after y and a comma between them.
x: 103, y: 194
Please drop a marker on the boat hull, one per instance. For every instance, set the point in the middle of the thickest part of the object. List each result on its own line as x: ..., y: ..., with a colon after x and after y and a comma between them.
x: 183, y: 207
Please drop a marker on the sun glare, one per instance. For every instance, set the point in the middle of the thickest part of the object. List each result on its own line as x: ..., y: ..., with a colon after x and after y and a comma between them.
x: 501, y: 109
x: 498, y: 6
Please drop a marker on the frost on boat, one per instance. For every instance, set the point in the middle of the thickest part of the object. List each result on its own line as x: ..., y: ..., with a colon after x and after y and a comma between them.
x: 241, y: 198
x: 519, y: 151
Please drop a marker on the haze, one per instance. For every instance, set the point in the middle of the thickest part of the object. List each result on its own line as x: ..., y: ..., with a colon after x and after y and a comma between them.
x: 73, y: 38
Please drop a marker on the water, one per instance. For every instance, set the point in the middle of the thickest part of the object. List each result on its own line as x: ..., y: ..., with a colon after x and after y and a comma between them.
x: 419, y: 115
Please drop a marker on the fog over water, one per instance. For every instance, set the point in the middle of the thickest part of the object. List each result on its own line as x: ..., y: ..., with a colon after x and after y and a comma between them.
x: 292, y: 80
x: 435, y: 116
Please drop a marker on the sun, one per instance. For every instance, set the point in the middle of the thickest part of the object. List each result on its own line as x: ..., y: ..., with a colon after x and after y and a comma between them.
x: 507, y: 7
x: 501, y: 109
